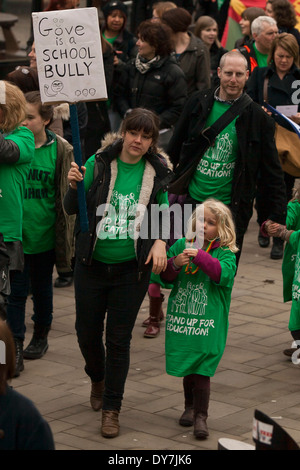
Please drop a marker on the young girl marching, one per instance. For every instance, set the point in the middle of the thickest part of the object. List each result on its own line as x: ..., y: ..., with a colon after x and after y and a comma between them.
x: 202, y: 267
x: 290, y: 265
x: 47, y: 232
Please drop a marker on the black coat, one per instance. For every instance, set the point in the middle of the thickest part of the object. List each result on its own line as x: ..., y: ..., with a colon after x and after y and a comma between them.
x: 256, y: 153
x: 279, y: 91
x: 162, y: 89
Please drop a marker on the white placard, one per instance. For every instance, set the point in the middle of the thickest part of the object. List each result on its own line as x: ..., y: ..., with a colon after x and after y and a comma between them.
x: 288, y: 110
x: 69, y: 55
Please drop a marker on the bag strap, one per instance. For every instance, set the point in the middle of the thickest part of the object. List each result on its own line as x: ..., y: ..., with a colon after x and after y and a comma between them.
x: 266, y: 83
x: 232, y: 112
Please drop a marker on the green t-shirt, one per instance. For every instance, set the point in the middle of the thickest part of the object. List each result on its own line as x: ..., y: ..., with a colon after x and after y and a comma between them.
x: 39, y: 203
x: 294, y: 321
x: 262, y: 59
x: 12, y: 185
x: 214, y: 173
x: 115, y: 243
x: 110, y: 40
x: 197, y: 316
x: 290, y: 254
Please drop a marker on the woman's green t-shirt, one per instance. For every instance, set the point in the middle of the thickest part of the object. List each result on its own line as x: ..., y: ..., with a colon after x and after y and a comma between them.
x: 115, y: 237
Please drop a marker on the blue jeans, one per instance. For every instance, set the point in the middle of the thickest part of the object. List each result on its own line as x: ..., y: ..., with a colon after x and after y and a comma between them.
x: 37, y: 273
x: 114, y: 289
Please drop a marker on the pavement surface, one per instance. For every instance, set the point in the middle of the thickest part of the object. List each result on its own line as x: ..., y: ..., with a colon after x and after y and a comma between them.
x: 253, y: 373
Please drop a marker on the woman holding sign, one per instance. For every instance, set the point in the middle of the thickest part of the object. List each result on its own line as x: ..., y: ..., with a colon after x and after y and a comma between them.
x: 125, y: 185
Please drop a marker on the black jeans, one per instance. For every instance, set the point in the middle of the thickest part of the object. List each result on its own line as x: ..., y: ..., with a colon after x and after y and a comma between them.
x: 38, y: 270
x: 114, y: 289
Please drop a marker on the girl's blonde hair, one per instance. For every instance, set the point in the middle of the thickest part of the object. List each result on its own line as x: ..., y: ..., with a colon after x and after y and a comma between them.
x: 225, y: 224
x: 13, y: 111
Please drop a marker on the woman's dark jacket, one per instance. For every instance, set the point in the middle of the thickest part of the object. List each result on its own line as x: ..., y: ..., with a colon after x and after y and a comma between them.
x: 195, y: 63
x: 97, y: 195
x: 162, y: 89
x: 279, y: 91
x: 256, y: 153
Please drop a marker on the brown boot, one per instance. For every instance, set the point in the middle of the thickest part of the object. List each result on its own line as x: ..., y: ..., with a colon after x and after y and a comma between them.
x: 110, y: 423
x: 96, y: 397
x: 187, y: 417
x: 161, y: 314
x: 153, y: 328
x: 201, y: 402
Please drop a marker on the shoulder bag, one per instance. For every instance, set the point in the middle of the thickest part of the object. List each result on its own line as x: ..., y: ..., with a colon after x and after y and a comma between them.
x: 287, y: 143
x: 200, y: 140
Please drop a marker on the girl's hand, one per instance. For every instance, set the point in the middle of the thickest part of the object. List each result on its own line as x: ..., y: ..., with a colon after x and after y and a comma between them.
x: 75, y: 175
x: 190, y: 252
x: 274, y: 229
x: 182, y: 259
x: 159, y: 257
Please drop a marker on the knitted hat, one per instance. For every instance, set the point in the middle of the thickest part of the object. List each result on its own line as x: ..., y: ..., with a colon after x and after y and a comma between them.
x: 114, y: 5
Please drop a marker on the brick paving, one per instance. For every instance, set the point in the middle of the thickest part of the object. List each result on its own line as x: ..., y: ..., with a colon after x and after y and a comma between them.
x: 253, y: 373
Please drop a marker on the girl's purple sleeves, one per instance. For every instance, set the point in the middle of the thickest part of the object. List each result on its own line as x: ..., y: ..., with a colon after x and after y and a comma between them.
x: 209, y: 265
x: 170, y: 273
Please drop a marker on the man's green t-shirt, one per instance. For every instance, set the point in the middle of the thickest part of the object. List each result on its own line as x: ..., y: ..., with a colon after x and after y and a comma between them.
x: 13, y: 183
x: 214, y: 173
x: 115, y: 243
x: 39, y: 203
x: 262, y: 59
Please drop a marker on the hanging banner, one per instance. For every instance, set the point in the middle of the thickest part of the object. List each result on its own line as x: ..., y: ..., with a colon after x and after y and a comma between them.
x: 232, y: 30
x: 69, y: 55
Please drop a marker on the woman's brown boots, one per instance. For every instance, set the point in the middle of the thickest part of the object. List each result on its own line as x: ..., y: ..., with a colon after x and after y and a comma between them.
x: 110, y: 418
x: 96, y: 397
x: 110, y: 423
x: 155, y: 317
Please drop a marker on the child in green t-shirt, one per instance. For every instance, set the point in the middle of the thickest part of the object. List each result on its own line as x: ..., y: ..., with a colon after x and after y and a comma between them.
x: 202, y: 267
x: 290, y: 268
x: 42, y: 230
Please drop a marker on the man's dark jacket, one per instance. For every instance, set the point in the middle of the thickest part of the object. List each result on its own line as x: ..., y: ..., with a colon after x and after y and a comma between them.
x: 257, y: 153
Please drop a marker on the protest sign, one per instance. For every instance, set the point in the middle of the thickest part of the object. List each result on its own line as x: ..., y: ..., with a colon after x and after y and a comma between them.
x: 69, y: 55
x: 70, y: 69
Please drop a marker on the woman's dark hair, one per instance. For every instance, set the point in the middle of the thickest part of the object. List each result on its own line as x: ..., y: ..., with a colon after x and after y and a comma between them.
x: 141, y: 119
x: 251, y: 13
x: 157, y: 35
x: 45, y: 110
x: 26, y: 78
x: 178, y: 19
x: 289, y: 43
x: 7, y: 369
x: 284, y: 13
